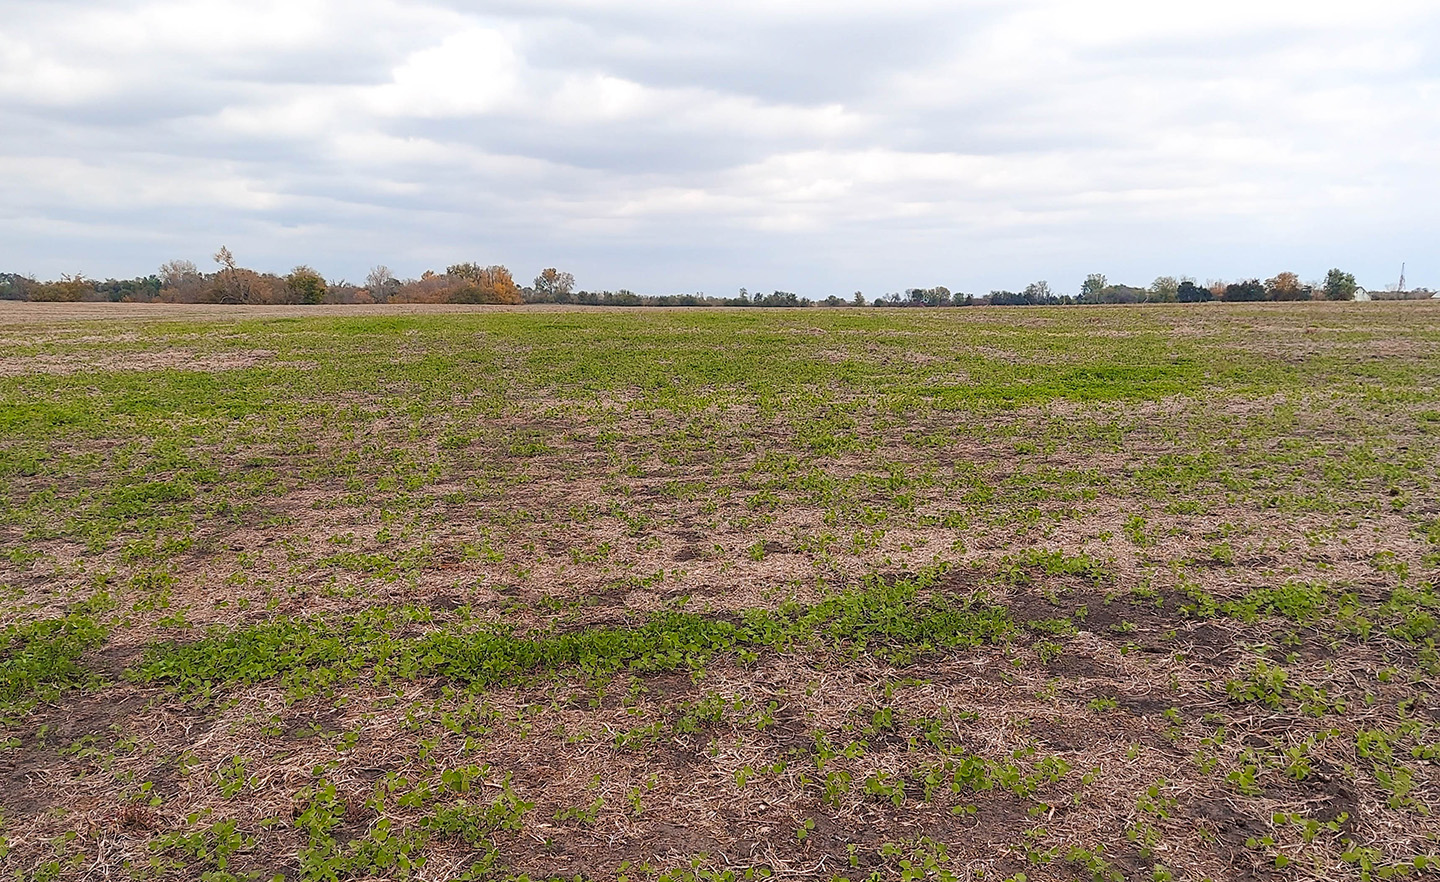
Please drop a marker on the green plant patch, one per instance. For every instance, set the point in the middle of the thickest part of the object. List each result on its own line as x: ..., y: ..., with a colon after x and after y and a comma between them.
x: 41, y: 659
x: 884, y: 618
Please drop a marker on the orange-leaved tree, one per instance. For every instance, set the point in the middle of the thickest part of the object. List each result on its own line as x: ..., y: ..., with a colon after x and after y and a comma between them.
x: 482, y: 284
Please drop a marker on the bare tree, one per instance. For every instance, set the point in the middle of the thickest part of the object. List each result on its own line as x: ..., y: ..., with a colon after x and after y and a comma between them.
x: 231, y: 286
x: 1039, y: 292
x: 381, y: 283
x: 176, y: 272
x: 181, y: 282
x: 553, y: 286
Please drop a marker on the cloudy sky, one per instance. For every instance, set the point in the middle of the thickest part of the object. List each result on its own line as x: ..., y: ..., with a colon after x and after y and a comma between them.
x: 678, y: 145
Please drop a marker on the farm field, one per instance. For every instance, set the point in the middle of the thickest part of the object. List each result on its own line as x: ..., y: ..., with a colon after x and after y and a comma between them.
x: 1131, y: 593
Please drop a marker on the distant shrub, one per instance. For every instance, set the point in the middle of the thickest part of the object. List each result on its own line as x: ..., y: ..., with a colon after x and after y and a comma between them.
x: 14, y: 286
x: 462, y: 283
x: 68, y: 290
x: 305, y: 285
x: 1339, y: 285
x: 1287, y: 286
x: 1189, y: 292
x: 1244, y: 292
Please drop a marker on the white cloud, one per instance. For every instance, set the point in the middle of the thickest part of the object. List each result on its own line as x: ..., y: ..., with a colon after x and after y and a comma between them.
x: 30, y: 76
x: 473, y: 72
x: 306, y: 114
x: 598, y: 97
x: 129, y: 185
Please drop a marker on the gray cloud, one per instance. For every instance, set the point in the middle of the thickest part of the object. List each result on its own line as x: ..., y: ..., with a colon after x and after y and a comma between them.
x: 681, y: 146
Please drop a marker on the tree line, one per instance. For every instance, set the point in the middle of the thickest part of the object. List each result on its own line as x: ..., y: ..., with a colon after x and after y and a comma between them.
x: 1286, y: 286
x: 181, y: 281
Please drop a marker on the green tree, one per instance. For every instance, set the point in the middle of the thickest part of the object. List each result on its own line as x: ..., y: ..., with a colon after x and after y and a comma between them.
x: 14, y: 286
x: 1339, y: 285
x: 1039, y: 292
x: 1122, y: 294
x: 1243, y: 292
x: 780, y: 298
x: 1092, y: 286
x: 138, y: 290
x: 937, y: 296
x: 1165, y: 289
x: 305, y: 285
x: 1189, y: 292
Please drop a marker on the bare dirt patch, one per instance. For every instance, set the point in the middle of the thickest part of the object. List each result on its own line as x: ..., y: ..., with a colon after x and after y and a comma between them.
x: 172, y: 359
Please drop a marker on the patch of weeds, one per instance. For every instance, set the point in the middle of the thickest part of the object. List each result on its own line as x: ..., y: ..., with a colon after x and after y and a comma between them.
x: 1371, y: 863
x: 232, y: 778
x: 529, y: 444
x: 382, y: 851
x: 1221, y: 554
x: 886, y: 788
x: 1017, y: 569
x: 581, y: 814
x: 41, y: 659
x: 702, y: 714
x: 1154, y: 804
x: 1298, y: 601
x: 473, y: 823
x: 881, y: 617
x: 1092, y: 861
x: 1059, y: 627
x: 211, y: 847
x: 1135, y: 530
x: 1198, y: 603
x: 803, y: 831
x: 1394, y: 777
x: 1271, y: 685
x: 377, y: 564
x: 1048, y: 650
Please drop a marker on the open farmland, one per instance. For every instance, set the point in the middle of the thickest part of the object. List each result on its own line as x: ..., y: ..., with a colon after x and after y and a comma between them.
x: 1086, y: 593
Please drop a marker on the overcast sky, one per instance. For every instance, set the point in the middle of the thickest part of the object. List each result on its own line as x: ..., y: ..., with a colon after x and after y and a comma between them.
x: 677, y: 145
